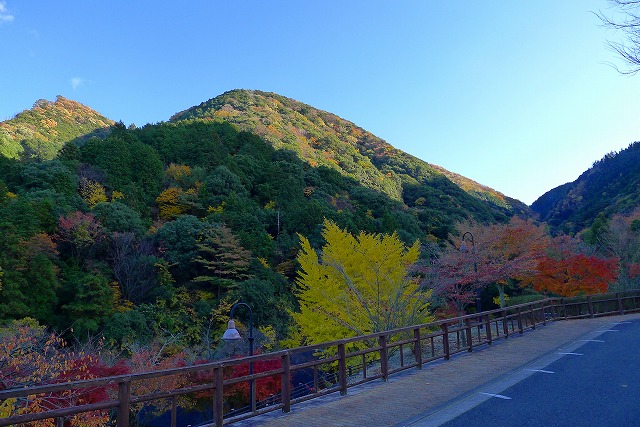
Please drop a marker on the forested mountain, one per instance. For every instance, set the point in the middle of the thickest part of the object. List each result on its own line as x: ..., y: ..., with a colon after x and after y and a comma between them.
x: 141, y: 232
x: 39, y: 133
x: 610, y: 186
x: 322, y: 138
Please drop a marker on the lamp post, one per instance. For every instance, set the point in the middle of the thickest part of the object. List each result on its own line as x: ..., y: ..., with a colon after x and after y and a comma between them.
x: 464, y: 248
x: 232, y: 334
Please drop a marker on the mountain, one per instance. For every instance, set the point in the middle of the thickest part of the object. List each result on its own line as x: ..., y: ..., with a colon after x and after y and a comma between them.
x: 322, y: 138
x: 611, y: 185
x: 42, y: 131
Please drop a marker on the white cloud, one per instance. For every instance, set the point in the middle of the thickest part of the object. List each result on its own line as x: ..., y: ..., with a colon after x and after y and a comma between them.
x: 5, y: 16
x: 76, y: 82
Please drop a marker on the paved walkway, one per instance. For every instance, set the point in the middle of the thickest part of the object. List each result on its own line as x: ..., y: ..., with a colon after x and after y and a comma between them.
x: 412, y: 396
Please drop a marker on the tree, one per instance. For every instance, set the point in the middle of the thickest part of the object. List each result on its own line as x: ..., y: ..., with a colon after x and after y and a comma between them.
x: 133, y: 263
x: 629, y: 26
x: 510, y: 253
x: 224, y: 260
x: 619, y: 238
x: 501, y: 254
x: 357, y: 285
x: 577, y: 274
x: 92, y: 192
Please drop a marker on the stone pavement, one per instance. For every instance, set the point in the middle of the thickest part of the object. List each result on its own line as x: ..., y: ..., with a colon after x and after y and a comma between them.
x: 413, y: 394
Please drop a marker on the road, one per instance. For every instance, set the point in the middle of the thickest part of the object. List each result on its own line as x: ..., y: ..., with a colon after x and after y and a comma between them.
x: 596, y: 382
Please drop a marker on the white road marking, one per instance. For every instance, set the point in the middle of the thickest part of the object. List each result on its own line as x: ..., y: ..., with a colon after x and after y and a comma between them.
x: 574, y: 354
x: 592, y: 340
x: 541, y: 370
x: 610, y: 330
x: 499, y: 396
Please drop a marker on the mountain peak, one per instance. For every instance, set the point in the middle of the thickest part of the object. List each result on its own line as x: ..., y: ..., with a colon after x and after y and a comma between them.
x: 41, y: 131
x: 324, y: 139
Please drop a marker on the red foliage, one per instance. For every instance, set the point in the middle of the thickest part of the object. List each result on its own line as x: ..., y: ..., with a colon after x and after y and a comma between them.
x: 29, y: 356
x: 575, y: 275
x: 265, y: 387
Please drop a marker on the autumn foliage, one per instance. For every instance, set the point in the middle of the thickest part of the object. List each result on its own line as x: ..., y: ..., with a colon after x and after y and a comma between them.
x: 30, y: 355
x: 576, y: 275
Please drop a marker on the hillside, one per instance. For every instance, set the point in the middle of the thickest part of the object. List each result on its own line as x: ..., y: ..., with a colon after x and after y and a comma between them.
x: 611, y: 185
x: 322, y: 138
x: 156, y: 228
x: 40, y: 132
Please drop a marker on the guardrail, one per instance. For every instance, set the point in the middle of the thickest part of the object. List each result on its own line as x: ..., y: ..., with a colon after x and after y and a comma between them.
x: 335, y: 366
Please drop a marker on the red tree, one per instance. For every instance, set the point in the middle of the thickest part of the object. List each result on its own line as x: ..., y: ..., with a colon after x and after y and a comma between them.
x: 577, y: 274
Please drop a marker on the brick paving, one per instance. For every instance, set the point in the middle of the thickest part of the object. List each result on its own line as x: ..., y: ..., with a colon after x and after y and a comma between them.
x: 407, y: 395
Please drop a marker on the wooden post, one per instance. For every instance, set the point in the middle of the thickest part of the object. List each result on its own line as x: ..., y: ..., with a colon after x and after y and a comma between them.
x: 342, y: 368
x: 620, y: 305
x: 384, y: 357
x: 286, y: 382
x: 590, y: 306
x: 564, y: 308
x: 174, y: 411
x: 124, y: 399
x: 520, y: 328
x: 544, y: 315
x: 445, y: 341
x: 532, y: 315
x: 488, y: 328
x: 417, y: 348
x: 468, y: 333
x: 505, y: 326
x: 218, y: 397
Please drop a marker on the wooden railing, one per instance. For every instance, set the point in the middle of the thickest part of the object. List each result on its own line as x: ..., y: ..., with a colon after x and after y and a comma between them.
x: 334, y: 366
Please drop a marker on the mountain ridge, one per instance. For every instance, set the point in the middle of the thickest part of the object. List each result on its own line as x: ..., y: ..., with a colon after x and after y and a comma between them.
x: 610, y: 186
x: 288, y: 123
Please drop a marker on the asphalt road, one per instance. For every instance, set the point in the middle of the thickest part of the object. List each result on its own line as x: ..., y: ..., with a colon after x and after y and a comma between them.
x: 594, y: 382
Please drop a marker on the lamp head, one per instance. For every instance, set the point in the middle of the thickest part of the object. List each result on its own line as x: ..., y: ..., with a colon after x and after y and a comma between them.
x: 231, y: 334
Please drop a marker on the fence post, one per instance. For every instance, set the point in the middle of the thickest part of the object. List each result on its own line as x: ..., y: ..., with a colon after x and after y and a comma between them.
x: 124, y: 399
x: 564, y: 308
x: 384, y: 357
x: 174, y: 411
x: 520, y: 328
x: 532, y: 315
x: 417, y: 349
x: 286, y: 382
x: 505, y: 326
x: 467, y: 324
x: 218, y: 396
x: 620, y: 305
x: 488, y: 328
x: 445, y: 340
x: 342, y: 368
x: 590, y: 306
x: 544, y: 315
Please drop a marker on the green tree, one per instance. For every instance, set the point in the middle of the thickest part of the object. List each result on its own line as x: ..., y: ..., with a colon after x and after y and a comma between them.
x: 224, y: 260
x: 357, y: 285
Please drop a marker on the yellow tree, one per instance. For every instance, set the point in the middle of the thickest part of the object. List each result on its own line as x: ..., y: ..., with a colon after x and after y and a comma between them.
x: 357, y: 285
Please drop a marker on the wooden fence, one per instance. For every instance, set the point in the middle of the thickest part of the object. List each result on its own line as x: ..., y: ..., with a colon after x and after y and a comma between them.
x: 333, y: 366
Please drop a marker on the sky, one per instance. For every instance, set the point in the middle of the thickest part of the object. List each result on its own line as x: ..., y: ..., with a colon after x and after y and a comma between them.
x: 516, y: 95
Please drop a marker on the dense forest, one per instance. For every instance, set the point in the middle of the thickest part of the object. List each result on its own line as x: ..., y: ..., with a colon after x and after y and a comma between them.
x: 146, y: 231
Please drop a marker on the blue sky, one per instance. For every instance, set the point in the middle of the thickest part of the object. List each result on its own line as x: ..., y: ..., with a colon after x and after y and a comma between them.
x: 515, y: 95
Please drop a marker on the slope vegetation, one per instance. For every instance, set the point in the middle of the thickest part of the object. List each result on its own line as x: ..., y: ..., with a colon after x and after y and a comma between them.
x: 325, y: 139
x: 611, y: 185
x: 39, y: 133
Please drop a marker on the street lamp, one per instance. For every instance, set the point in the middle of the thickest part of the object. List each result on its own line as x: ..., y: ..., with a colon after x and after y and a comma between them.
x: 464, y: 248
x: 232, y: 334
